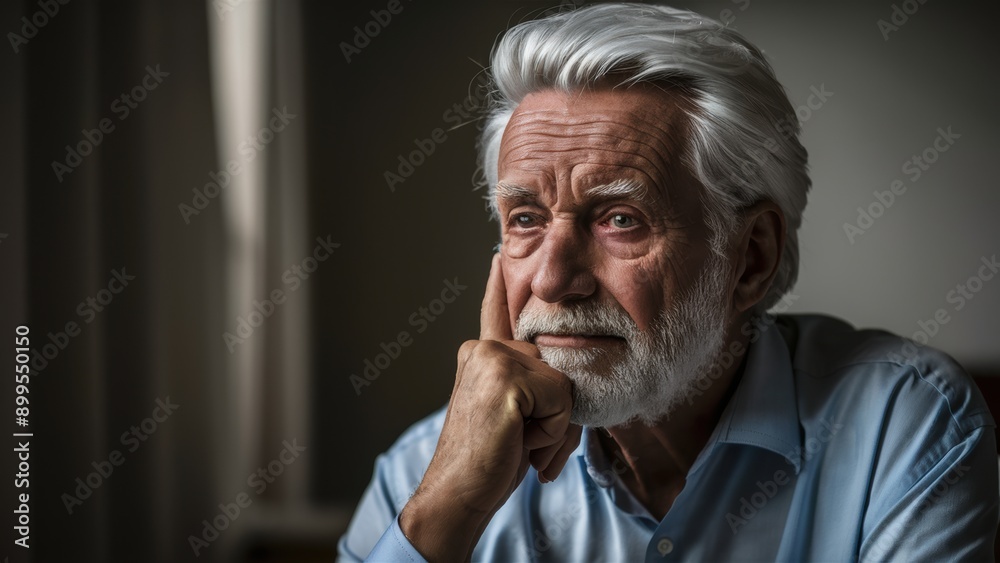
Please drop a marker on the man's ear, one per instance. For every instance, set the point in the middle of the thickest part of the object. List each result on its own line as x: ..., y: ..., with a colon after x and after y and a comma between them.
x: 758, y: 253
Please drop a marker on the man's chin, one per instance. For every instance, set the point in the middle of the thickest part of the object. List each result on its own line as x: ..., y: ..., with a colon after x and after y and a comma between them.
x: 623, y: 415
x: 606, y: 397
x: 574, y: 362
x: 596, y: 420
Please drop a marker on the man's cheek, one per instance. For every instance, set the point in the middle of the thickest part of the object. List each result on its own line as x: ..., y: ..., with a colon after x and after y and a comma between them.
x: 517, y: 247
x: 642, y: 299
x: 634, y: 286
x: 642, y: 279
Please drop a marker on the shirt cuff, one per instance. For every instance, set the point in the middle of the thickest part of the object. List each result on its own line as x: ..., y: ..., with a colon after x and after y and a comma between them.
x: 393, y: 546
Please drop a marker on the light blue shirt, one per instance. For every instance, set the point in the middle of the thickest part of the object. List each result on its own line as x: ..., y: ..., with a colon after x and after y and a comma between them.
x: 837, y: 445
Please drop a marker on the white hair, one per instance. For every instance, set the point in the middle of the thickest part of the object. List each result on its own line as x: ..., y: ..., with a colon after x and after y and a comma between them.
x: 742, y: 144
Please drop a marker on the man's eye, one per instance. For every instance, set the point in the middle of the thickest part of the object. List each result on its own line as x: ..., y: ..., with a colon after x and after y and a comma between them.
x: 525, y: 220
x: 622, y: 221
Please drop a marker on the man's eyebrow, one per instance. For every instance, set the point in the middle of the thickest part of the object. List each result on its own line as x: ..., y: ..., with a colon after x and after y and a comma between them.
x: 514, y: 192
x: 618, y: 189
x: 622, y: 189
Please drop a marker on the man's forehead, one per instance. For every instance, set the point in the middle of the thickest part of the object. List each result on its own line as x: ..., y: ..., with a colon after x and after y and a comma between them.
x: 643, y: 114
x: 594, y: 138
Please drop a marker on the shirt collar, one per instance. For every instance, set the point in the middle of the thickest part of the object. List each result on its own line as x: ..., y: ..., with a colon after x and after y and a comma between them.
x: 598, y: 464
x: 763, y: 411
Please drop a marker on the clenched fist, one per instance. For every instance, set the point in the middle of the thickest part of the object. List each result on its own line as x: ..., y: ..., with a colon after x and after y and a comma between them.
x: 508, y: 410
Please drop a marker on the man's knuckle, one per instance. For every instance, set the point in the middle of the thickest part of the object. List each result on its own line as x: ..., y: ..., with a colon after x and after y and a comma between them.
x: 499, y: 368
x: 466, y: 349
x: 491, y: 346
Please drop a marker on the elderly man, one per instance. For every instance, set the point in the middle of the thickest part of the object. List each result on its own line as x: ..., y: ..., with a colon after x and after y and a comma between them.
x: 627, y: 398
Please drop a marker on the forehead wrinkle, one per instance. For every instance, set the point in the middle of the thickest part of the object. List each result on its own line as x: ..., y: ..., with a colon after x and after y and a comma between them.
x: 660, y: 148
x: 522, y: 154
x: 578, y: 141
x: 646, y: 128
x: 528, y: 134
x: 540, y: 118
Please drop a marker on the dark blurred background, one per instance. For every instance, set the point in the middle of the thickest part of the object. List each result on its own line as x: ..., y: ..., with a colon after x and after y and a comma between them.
x: 312, y: 104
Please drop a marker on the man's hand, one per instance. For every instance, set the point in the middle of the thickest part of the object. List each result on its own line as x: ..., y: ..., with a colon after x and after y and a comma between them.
x: 508, y: 410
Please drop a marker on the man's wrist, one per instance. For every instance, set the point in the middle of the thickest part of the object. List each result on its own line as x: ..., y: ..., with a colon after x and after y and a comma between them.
x: 440, y: 528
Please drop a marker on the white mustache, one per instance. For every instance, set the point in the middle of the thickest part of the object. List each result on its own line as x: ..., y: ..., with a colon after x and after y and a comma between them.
x: 590, y: 318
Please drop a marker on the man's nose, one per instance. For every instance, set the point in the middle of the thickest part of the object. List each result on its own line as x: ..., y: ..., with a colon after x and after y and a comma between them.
x: 564, y: 269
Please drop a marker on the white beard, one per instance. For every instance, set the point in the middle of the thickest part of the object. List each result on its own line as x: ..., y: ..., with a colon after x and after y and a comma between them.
x: 656, y: 369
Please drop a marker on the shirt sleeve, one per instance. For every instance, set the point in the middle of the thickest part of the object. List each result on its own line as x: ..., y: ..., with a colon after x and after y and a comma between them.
x: 950, y: 514
x: 374, y: 533
x: 392, y: 546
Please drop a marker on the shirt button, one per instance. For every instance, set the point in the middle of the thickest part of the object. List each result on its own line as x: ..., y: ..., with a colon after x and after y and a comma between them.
x: 664, y: 546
